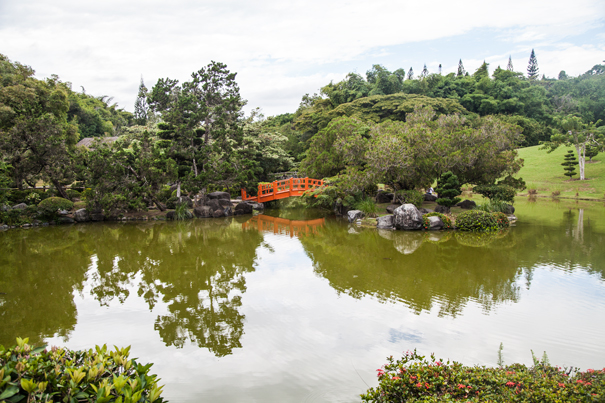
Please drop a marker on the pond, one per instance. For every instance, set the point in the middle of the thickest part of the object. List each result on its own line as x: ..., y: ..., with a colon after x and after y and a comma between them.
x: 296, y: 306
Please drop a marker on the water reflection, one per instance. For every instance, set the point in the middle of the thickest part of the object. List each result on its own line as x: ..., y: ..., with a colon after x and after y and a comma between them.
x: 284, y: 226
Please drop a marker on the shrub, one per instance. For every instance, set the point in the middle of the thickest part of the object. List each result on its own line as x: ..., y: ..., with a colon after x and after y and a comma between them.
x: 503, y: 193
x: 49, y: 207
x: 447, y: 222
x: 73, y: 194
x: 86, y: 194
x: 33, y: 198
x: 493, y: 206
x: 181, y: 212
x: 532, y: 189
x: 501, y: 219
x: 414, y: 197
x: 60, y: 375
x: 367, y: 206
x: 448, y: 187
x: 416, y: 379
x: 171, y: 203
x: 476, y: 220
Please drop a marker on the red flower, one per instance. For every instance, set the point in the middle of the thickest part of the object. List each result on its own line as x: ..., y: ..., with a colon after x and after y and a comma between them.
x: 562, y: 385
x: 510, y: 383
x: 419, y: 385
x: 461, y: 386
x: 396, y: 378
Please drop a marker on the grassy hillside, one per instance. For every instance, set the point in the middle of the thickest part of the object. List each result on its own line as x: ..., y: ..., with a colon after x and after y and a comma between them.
x: 544, y: 172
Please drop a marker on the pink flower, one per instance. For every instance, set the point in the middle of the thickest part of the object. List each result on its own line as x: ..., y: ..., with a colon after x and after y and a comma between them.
x: 419, y: 385
x: 461, y: 386
x: 561, y: 385
x: 510, y: 383
x: 396, y: 378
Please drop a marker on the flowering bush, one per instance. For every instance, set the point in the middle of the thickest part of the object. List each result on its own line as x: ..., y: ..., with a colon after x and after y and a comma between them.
x: 59, y: 375
x: 501, y: 219
x: 447, y: 222
x: 49, y: 207
x: 476, y: 220
x: 416, y: 379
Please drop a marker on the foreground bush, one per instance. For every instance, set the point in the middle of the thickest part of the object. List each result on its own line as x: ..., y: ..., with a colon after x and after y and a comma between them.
x: 415, y: 379
x: 36, y: 374
x: 414, y: 197
x: 501, y: 219
x: 49, y: 207
x: 476, y: 220
x: 447, y: 222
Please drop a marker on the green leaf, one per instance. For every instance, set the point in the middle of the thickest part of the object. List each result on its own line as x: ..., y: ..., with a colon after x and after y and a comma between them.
x: 38, y: 350
x: 9, y: 392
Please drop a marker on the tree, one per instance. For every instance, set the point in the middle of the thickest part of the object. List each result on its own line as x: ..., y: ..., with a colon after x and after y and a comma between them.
x: 461, y: 71
x: 140, y: 105
x: 591, y: 151
x: 570, y: 164
x: 448, y: 187
x: 202, y: 118
x: 509, y: 67
x: 424, y: 72
x: 35, y: 136
x: 411, y: 74
x: 482, y: 71
x: 579, y: 135
x: 532, y: 67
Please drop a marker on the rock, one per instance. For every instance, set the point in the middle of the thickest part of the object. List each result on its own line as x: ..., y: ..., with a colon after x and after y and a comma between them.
x: 45, y: 224
x: 81, y: 215
x: 26, y: 225
x: 213, y: 204
x: 467, y: 204
x: 391, y: 208
x: 243, y: 208
x: 508, y: 209
x: 512, y: 218
x: 257, y: 206
x: 63, y: 212
x: 407, y: 217
x: 429, y: 197
x: 228, y: 211
x: 442, y: 210
x: 383, y: 197
x: 424, y: 211
x: 340, y: 209
x: 219, y: 195
x: 435, y: 223
x: 225, y: 203
x: 385, y: 222
x: 202, y: 212
x: 185, y: 199
x: 20, y: 206
x: 218, y: 213
x: 65, y: 220
x: 354, y: 215
x: 97, y: 215
x: 5, y: 208
x: 171, y: 215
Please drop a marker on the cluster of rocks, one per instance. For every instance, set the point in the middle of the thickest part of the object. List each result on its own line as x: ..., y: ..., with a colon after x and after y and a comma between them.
x: 219, y: 204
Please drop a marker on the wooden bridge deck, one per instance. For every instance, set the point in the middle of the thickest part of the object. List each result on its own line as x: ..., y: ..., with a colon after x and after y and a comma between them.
x: 282, y: 189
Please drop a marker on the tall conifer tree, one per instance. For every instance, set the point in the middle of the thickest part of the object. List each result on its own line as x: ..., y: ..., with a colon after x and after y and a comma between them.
x: 509, y: 67
x: 461, y: 71
x: 411, y: 74
x: 425, y: 72
x: 140, y: 105
x: 532, y: 67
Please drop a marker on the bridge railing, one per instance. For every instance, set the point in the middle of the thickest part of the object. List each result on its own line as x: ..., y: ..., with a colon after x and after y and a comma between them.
x: 282, y: 188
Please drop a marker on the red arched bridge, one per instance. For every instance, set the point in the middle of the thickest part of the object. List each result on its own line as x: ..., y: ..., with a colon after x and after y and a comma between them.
x: 282, y: 189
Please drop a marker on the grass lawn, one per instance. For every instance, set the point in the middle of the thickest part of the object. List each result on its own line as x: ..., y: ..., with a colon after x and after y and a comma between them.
x: 545, y: 172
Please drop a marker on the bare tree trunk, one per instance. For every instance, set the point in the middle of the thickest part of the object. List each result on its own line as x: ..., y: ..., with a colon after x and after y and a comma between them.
x: 158, y: 204
x: 60, y: 189
x: 178, y: 189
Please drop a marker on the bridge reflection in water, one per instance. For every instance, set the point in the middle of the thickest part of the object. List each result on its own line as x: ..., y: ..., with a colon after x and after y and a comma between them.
x: 277, y: 225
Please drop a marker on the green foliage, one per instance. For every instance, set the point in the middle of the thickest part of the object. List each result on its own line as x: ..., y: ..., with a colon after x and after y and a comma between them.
x: 476, y: 220
x: 49, y: 207
x: 497, y: 193
x: 501, y: 219
x: 493, y: 206
x: 448, y: 187
x: 181, y: 212
x: 171, y: 202
x: 447, y: 222
x: 413, y: 196
x: 414, y: 378
x: 367, y: 206
x: 570, y: 163
x: 61, y: 375
x: 532, y: 67
x: 73, y: 194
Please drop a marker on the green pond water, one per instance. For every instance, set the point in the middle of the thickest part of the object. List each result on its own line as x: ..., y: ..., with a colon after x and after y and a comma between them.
x: 292, y: 306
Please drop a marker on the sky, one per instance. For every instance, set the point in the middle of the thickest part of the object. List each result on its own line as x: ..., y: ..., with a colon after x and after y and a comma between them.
x: 283, y: 49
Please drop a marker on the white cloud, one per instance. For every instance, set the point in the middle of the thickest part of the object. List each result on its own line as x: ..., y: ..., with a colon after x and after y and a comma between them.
x: 105, y: 46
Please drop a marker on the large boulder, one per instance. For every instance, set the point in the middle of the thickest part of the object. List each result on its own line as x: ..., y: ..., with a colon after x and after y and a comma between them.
x: 429, y: 197
x: 225, y: 203
x: 442, y: 209
x: 97, y: 215
x: 219, y: 195
x: 391, y: 208
x: 467, y: 204
x: 243, y: 208
x: 354, y: 215
x: 65, y: 220
x: 171, y: 215
x: 407, y: 217
x: 385, y: 222
x: 424, y: 211
x: 203, y: 212
x: 81, y: 215
x: 257, y: 206
x: 383, y: 197
x: 435, y: 223
x: 228, y: 211
x: 218, y: 213
x: 20, y: 206
x: 185, y: 199
x: 214, y: 204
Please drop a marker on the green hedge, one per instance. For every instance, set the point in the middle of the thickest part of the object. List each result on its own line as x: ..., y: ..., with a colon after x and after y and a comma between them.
x: 476, y: 220
x: 60, y: 375
x: 416, y: 379
x: 49, y: 207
